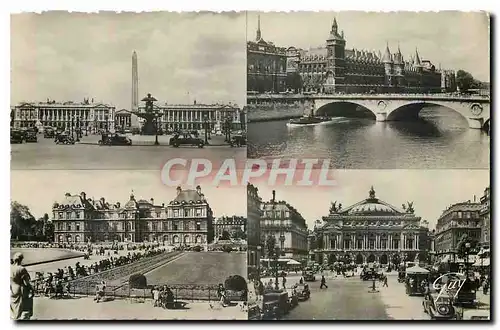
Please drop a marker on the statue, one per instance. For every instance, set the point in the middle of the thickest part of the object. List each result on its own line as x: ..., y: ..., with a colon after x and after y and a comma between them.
x: 410, y: 209
x: 372, y: 193
x: 333, y: 207
x: 150, y: 126
x: 340, y: 207
x: 404, y: 206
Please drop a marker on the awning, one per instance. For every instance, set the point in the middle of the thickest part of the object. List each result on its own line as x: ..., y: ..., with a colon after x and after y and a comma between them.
x: 293, y: 262
x: 483, y: 252
x: 416, y: 270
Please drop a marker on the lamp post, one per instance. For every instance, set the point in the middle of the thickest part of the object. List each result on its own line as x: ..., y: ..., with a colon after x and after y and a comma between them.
x: 258, y: 261
x: 77, y: 128
x: 205, y: 124
x: 156, y: 129
x: 467, y: 251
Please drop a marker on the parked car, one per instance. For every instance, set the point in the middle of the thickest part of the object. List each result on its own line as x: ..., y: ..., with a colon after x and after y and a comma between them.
x: 48, y: 132
x: 439, y: 306
x: 309, y: 276
x: 115, y: 140
x: 238, y: 141
x: 276, y: 304
x: 186, y: 139
x: 64, y: 138
x: 31, y: 136
x: 303, y: 292
x: 16, y: 135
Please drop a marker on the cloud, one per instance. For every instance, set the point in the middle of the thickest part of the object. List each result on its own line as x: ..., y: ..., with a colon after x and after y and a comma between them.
x: 69, y: 56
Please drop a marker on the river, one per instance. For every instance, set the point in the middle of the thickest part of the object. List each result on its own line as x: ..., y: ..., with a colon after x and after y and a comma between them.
x: 439, y: 139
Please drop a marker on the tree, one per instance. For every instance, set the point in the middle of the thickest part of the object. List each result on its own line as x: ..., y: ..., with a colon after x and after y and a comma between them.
x: 294, y: 81
x: 238, y: 234
x: 465, y: 80
x: 271, y: 246
x: 22, y: 222
x: 225, y: 236
x: 462, y: 249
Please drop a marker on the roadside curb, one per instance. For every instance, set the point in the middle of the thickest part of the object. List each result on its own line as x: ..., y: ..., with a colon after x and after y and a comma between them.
x: 150, y: 145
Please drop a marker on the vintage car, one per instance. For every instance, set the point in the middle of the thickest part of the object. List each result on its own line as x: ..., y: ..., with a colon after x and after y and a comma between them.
x: 369, y: 274
x: 439, y: 306
x: 186, y: 139
x: 254, y: 313
x: 17, y: 135
x: 238, y: 141
x: 115, y: 140
x: 275, y: 302
x: 48, y: 132
x: 30, y: 136
x: 401, y: 276
x: 303, y: 291
x: 309, y: 276
x: 64, y: 138
x: 466, y: 296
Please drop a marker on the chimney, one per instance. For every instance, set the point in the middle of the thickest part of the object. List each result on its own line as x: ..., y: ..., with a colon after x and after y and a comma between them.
x: 162, y: 204
x: 179, y: 190
x: 152, y: 201
x: 474, y: 198
x: 83, y: 196
x: 274, y: 196
x: 198, y: 190
x: 103, y: 200
x: 67, y: 194
x: 118, y: 204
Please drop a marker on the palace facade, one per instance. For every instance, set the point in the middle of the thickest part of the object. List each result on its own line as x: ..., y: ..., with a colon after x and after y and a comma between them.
x: 86, y: 115
x: 369, y: 231
x: 186, y: 220
x: 195, y: 116
x: 266, y: 66
x: 337, y: 69
x: 287, y: 225
x: 254, y: 214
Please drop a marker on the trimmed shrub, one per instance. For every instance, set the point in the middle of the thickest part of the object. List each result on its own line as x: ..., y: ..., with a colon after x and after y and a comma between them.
x: 138, y: 281
x: 235, y: 283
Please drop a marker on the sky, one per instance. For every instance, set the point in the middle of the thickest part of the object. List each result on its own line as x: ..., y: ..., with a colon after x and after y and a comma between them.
x: 431, y: 191
x: 457, y: 40
x: 40, y: 189
x: 71, y: 56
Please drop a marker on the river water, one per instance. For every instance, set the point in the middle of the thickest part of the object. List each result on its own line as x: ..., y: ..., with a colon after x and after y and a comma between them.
x: 440, y: 139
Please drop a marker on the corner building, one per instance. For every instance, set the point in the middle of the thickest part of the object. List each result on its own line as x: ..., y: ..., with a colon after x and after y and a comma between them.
x: 368, y: 231
x: 254, y: 214
x: 186, y: 220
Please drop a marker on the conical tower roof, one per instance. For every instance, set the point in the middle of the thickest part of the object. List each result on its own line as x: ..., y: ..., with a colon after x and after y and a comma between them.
x: 387, y: 58
x: 417, y: 59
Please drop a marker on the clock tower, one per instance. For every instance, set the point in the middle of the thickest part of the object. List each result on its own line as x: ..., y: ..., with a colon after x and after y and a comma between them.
x: 335, y: 66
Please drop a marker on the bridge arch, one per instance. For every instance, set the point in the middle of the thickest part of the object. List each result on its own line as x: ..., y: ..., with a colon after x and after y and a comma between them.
x: 411, y: 110
x: 345, y: 108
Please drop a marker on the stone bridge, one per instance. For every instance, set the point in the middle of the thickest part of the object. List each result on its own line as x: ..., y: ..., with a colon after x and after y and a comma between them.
x: 388, y: 107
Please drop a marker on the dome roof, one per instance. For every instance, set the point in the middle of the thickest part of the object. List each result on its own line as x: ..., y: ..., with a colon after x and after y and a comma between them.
x: 372, y: 207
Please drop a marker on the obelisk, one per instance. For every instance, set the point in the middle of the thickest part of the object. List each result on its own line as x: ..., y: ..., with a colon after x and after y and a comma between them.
x: 134, y: 121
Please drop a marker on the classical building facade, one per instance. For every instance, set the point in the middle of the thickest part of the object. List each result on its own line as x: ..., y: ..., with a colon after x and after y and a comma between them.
x: 186, y: 220
x: 334, y: 68
x: 369, y: 231
x: 85, y: 115
x: 457, y: 220
x: 254, y: 214
x: 266, y: 66
x: 484, y: 213
x: 123, y: 119
x: 287, y: 225
x: 234, y: 225
x: 195, y: 116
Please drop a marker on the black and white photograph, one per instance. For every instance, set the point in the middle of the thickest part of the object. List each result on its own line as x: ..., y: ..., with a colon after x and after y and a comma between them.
x: 381, y: 245
x: 370, y: 90
x: 95, y: 246
x: 126, y: 90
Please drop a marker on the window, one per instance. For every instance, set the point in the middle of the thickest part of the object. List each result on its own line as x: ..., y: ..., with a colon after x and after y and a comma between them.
x: 198, y: 212
x: 68, y: 227
x: 158, y: 214
x: 459, y: 214
x: 77, y: 227
x: 165, y: 226
x: 153, y: 226
x: 61, y: 215
x: 186, y: 213
x: 176, y: 213
x: 175, y: 226
x: 77, y: 215
x: 198, y: 226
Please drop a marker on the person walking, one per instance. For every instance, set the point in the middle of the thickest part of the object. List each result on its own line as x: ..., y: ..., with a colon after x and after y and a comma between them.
x: 385, y: 281
x: 284, y: 282
x: 323, y: 282
x: 21, y: 291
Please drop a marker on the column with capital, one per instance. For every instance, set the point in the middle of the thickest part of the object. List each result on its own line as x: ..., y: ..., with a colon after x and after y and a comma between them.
x: 389, y: 242
x: 416, y: 242
x: 401, y: 243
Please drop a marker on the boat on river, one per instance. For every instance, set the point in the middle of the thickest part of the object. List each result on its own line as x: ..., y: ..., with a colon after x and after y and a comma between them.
x: 308, y: 120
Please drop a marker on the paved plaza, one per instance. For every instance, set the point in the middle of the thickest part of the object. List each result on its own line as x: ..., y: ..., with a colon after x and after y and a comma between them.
x: 47, y: 155
x: 84, y: 308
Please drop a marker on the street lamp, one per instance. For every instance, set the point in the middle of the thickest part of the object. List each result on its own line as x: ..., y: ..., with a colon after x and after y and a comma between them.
x: 205, y: 123
x: 77, y: 128
x: 258, y: 261
x: 467, y: 251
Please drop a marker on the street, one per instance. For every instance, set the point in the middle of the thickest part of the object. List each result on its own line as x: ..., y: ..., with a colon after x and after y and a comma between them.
x: 143, y: 155
x: 199, y: 268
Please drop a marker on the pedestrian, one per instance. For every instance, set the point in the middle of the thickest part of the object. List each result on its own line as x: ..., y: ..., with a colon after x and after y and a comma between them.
x: 21, y: 291
x: 284, y: 282
x: 486, y: 286
x: 385, y: 281
x: 323, y: 282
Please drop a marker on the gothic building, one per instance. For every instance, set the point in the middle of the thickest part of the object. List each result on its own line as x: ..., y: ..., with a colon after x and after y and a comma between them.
x: 369, y: 231
x: 266, y: 66
x: 186, y: 220
x: 335, y: 68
